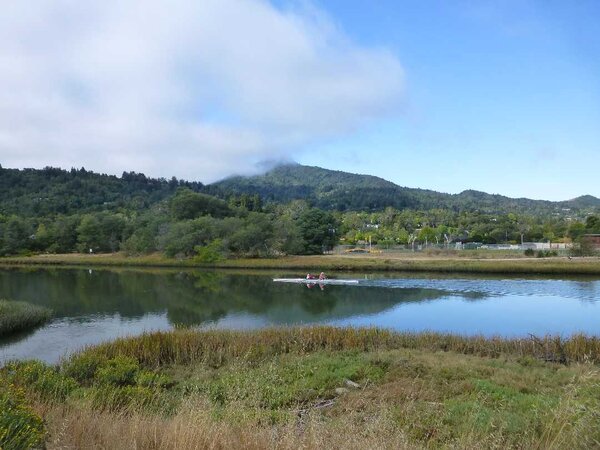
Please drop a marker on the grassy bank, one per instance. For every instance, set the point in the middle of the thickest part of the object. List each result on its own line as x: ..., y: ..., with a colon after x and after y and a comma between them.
x: 452, y: 262
x: 314, y: 387
x: 20, y: 316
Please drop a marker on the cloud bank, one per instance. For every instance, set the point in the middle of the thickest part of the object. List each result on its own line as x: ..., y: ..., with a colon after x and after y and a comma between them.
x: 199, y: 89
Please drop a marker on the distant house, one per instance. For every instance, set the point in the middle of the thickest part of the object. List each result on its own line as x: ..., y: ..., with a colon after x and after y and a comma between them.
x: 593, y: 239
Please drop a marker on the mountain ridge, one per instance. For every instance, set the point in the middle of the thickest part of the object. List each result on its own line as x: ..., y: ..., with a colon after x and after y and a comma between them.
x: 338, y: 190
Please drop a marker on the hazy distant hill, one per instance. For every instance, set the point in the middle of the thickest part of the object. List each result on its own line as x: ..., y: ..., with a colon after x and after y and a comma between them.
x: 331, y: 189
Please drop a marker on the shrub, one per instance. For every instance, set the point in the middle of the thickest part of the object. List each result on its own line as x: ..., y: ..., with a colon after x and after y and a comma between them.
x: 44, y: 380
x: 20, y: 427
x: 210, y: 253
x: 83, y: 367
x: 118, y: 371
x: 546, y: 253
x: 529, y: 252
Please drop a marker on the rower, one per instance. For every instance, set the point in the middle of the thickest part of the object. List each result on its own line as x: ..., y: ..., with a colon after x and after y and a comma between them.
x: 322, y: 276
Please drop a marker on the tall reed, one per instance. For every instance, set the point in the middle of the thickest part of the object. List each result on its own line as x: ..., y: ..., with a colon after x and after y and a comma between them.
x: 19, y: 316
x: 215, y: 348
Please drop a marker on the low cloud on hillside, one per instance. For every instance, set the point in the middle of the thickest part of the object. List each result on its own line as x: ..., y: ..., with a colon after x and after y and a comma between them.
x: 197, y: 89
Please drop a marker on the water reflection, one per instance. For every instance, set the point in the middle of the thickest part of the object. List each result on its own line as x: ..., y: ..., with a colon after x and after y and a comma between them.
x: 195, y: 298
x: 95, y: 305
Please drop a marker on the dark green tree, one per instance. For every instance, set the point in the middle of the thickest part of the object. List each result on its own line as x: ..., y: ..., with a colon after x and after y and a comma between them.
x: 318, y: 230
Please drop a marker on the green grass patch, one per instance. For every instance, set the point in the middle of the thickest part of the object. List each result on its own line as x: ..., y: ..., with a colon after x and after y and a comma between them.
x: 20, y: 316
x: 287, y: 380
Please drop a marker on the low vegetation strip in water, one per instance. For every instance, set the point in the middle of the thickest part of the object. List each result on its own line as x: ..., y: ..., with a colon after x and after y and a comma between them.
x: 20, y: 316
x: 464, y: 262
x: 314, y: 387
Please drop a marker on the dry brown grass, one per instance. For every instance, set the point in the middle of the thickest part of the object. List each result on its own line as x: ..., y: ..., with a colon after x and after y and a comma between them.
x: 463, y: 262
x: 195, y: 428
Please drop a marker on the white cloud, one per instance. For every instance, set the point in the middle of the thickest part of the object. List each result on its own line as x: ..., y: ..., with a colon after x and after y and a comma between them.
x: 194, y: 88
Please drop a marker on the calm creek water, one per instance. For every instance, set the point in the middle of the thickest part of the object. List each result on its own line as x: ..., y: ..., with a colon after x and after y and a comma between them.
x: 92, y: 305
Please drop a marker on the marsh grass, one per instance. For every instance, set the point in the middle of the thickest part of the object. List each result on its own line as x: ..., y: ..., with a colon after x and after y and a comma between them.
x: 216, y: 348
x: 319, y: 387
x: 491, y: 262
x: 20, y: 316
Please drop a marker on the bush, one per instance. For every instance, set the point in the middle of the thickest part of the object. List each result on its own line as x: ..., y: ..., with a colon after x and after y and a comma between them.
x: 546, y: 253
x: 20, y: 427
x: 119, y: 371
x: 210, y: 253
x: 529, y: 252
x: 83, y: 367
x: 46, y: 381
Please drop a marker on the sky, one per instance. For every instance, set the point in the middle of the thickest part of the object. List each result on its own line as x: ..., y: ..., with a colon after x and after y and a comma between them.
x: 498, y: 96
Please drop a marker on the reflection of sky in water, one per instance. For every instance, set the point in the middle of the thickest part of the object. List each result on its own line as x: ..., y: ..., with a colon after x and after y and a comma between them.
x: 61, y: 337
x: 502, y: 316
x: 98, y: 307
x: 581, y: 290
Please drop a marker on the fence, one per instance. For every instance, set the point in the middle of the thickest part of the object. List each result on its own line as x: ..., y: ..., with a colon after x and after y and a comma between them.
x: 376, y: 248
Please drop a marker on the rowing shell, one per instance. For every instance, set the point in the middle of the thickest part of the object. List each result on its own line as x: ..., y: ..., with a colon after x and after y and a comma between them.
x: 314, y: 281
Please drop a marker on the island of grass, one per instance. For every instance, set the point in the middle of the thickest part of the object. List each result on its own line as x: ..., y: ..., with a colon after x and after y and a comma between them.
x: 313, y: 387
x: 21, y: 316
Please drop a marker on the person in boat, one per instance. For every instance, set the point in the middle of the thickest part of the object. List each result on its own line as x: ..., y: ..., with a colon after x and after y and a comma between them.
x: 310, y: 276
x: 322, y: 276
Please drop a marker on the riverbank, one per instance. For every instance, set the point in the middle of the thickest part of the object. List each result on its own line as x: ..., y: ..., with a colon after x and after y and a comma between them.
x: 453, y: 262
x: 21, y: 316
x: 316, y: 387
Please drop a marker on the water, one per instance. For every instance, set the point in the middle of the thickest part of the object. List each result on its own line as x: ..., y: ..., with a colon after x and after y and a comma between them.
x: 93, y: 306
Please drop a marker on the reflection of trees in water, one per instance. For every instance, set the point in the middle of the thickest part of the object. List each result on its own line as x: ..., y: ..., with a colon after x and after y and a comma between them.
x: 16, y: 337
x: 194, y: 297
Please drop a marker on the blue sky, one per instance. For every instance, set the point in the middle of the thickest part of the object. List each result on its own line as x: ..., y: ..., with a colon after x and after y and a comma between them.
x: 502, y: 97
x: 498, y: 96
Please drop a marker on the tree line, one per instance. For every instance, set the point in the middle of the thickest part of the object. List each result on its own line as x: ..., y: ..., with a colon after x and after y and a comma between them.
x: 187, y: 224
x: 58, y: 211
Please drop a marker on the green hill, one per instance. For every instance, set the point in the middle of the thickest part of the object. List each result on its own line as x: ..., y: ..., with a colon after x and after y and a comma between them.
x: 327, y: 189
x: 50, y: 191
x: 336, y: 190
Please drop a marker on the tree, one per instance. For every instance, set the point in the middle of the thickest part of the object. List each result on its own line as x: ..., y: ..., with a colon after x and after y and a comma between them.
x: 16, y: 237
x: 187, y: 204
x: 89, y: 236
x: 102, y: 232
x: 427, y: 235
x: 592, y: 224
x: 318, y: 230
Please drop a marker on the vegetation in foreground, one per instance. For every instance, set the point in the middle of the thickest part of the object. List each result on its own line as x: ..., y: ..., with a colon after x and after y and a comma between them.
x: 309, y: 387
x: 20, y: 316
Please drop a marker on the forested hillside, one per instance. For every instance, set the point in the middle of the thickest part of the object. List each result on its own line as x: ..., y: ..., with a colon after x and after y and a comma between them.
x: 341, y: 191
x: 290, y: 210
x: 31, y: 192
